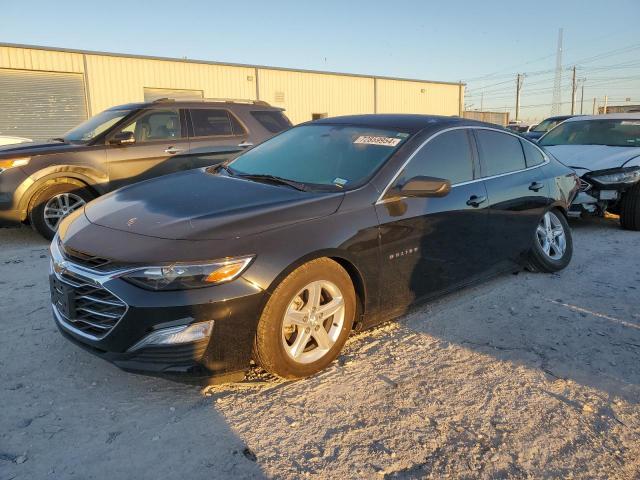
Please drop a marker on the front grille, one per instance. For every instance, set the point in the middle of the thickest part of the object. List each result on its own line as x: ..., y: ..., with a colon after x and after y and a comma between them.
x: 85, y: 259
x: 584, y: 185
x: 85, y: 306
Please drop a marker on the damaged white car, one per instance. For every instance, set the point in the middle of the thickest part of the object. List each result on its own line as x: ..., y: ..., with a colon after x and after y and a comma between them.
x: 605, y: 152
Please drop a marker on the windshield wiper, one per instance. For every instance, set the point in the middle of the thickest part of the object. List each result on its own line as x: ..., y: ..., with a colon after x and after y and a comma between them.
x: 57, y: 139
x: 220, y: 166
x: 274, y: 179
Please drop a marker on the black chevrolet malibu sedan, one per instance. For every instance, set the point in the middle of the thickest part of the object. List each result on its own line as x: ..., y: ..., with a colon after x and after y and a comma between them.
x: 277, y: 256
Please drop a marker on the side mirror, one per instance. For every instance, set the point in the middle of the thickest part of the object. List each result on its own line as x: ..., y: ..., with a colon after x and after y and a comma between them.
x: 123, y: 138
x: 426, y: 187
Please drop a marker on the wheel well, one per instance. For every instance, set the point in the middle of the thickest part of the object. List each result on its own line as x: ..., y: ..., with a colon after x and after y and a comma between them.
x: 53, y: 181
x: 358, y: 283
x: 561, y: 210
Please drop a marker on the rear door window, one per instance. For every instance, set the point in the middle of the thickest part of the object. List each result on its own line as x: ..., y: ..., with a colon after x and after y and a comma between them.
x: 499, y: 152
x: 273, y: 121
x: 209, y: 122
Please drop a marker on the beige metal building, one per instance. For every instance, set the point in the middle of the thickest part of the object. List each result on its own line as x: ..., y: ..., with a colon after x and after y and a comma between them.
x: 46, y: 91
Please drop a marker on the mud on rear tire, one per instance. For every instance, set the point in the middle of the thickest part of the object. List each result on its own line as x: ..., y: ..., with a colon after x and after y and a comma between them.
x: 630, y: 209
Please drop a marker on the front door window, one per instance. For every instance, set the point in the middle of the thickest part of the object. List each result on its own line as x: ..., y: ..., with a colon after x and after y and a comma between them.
x: 156, y: 125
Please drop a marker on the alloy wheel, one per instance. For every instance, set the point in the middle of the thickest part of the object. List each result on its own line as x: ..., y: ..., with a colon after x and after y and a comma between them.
x: 313, y: 321
x: 59, y: 206
x: 551, y: 236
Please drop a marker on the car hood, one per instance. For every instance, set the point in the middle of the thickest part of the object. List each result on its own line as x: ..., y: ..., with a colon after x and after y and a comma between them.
x: 35, y: 148
x: 198, y: 205
x: 533, y: 135
x: 593, y: 157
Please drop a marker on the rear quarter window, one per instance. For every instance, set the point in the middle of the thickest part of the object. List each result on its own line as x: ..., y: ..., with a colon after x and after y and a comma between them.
x: 274, y: 122
x: 532, y: 155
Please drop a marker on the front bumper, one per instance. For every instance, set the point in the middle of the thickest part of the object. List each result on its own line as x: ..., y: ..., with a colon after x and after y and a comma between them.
x: 119, y: 314
x: 596, y: 198
x: 13, y: 183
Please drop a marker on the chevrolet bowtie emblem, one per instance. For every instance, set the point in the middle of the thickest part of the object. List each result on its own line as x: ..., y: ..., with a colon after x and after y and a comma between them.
x: 60, y: 267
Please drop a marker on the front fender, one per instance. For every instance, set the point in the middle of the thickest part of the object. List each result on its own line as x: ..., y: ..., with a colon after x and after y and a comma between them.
x: 88, y: 176
x: 350, y: 238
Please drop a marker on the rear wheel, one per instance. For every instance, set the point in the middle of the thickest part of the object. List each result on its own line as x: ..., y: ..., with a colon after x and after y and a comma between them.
x: 54, y: 202
x: 306, y: 321
x: 630, y: 209
x: 552, y: 244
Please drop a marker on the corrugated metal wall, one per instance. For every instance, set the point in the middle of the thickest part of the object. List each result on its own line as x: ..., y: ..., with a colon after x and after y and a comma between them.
x: 111, y: 80
x: 303, y: 94
x: 46, y: 60
x: 404, y: 96
x: 116, y: 80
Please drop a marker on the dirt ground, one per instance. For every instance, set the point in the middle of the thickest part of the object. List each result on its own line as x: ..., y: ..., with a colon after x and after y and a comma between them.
x: 525, y: 376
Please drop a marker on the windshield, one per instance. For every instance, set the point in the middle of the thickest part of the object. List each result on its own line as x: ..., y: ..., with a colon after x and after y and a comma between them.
x: 96, y: 125
x: 546, y: 125
x: 611, y: 132
x: 339, y: 156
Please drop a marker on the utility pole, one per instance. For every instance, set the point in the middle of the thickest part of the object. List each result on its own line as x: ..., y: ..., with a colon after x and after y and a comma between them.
x: 556, y: 102
x: 593, y: 112
x: 582, y: 96
x: 482, y: 101
x: 606, y: 99
x: 574, y: 88
x: 518, y: 87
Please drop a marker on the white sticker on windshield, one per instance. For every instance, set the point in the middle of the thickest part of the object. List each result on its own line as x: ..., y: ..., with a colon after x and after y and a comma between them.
x: 341, y: 182
x: 630, y: 122
x: 371, y: 140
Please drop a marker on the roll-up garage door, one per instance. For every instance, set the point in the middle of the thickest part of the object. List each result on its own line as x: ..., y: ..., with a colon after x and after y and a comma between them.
x: 40, y: 105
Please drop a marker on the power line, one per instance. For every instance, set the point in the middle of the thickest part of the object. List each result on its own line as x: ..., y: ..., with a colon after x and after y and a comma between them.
x: 501, y: 73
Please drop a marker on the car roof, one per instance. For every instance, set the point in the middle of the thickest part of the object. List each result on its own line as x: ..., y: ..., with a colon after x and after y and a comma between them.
x: 607, y: 116
x: 562, y: 117
x: 410, y: 123
x: 162, y: 103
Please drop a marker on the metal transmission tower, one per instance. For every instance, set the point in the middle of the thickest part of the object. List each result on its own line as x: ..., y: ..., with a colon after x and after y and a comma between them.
x: 556, y: 102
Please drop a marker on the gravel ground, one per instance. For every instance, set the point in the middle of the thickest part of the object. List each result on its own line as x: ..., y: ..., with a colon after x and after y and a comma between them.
x: 526, y: 376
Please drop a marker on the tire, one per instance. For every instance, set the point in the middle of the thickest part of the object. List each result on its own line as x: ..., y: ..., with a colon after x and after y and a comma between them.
x: 278, y: 340
x: 42, y: 203
x: 630, y: 209
x: 560, y: 250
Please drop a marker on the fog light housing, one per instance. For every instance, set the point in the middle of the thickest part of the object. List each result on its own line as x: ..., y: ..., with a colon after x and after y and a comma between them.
x: 175, y: 335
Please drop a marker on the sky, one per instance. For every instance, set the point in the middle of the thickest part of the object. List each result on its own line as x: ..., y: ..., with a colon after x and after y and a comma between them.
x: 483, y: 43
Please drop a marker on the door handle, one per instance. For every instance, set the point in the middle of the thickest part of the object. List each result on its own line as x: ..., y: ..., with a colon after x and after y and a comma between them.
x: 245, y: 144
x: 476, y: 200
x: 173, y: 150
x: 535, y: 186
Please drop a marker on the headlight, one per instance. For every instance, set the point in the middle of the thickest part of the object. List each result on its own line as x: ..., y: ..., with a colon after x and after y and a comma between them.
x: 179, y: 276
x: 622, y: 175
x: 14, y: 162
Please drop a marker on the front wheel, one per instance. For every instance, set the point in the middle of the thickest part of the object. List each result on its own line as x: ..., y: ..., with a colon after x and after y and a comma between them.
x: 54, y: 202
x: 552, y: 244
x: 306, y: 321
x: 630, y: 209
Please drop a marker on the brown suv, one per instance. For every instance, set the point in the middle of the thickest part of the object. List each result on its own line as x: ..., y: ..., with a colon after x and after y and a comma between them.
x: 42, y: 182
